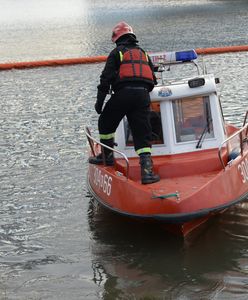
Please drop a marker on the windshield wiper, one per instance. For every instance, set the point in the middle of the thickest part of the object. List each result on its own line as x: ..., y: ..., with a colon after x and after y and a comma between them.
x: 206, y: 128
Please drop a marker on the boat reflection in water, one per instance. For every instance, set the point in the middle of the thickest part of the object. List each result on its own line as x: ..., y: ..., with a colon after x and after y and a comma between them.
x: 134, y: 260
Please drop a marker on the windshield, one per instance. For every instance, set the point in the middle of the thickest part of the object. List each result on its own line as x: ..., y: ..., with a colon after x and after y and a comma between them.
x: 191, y: 117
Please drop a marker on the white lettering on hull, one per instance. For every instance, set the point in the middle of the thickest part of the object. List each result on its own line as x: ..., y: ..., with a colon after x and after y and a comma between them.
x: 243, y: 169
x: 102, y: 181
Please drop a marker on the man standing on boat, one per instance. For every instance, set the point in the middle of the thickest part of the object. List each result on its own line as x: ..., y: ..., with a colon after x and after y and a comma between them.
x: 129, y: 73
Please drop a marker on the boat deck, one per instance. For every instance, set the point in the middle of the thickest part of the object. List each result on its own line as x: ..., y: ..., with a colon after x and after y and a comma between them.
x: 184, y: 173
x: 184, y: 185
x: 177, y: 165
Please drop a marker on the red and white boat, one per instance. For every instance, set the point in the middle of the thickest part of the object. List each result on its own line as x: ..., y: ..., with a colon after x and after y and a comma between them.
x: 202, y: 160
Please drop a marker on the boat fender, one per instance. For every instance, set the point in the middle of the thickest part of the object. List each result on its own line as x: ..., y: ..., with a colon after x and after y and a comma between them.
x: 233, y: 154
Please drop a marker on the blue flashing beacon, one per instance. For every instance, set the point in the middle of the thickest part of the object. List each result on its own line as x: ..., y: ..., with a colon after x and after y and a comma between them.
x: 186, y: 55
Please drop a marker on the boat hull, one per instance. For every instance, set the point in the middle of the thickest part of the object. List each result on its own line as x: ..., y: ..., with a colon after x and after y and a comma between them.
x: 173, y: 225
x: 180, y: 204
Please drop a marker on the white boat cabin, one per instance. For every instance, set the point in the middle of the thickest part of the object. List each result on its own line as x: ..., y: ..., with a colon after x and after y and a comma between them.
x: 186, y: 114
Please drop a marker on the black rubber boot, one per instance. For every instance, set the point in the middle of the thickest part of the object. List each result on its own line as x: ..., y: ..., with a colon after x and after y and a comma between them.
x: 98, y: 160
x: 147, y: 175
x: 106, y: 157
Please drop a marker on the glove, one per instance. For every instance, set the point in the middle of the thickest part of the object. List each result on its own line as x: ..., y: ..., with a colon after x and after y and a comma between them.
x: 99, y: 102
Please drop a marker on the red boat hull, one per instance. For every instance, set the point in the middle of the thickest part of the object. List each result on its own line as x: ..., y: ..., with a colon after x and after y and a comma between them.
x: 193, y: 187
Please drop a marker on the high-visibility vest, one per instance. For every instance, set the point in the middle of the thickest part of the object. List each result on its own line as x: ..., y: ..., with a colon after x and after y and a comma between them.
x: 134, y: 65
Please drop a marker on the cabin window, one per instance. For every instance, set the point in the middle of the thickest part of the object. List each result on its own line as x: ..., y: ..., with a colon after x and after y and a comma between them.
x: 192, y: 117
x: 156, y: 124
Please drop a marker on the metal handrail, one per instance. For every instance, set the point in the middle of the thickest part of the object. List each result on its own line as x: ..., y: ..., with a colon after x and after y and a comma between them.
x: 161, y: 68
x: 90, y: 139
x: 246, y: 118
x: 239, y: 132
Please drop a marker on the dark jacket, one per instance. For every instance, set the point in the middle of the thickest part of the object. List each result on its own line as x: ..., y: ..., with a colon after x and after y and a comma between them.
x: 109, y: 77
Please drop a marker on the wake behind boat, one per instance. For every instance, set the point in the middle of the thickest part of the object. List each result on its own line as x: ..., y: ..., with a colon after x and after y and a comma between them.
x: 202, y: 160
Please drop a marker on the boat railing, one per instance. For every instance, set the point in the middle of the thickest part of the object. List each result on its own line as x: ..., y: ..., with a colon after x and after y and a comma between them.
x: 241, y: 136
x: 245, y: 119
x: 92, y: 141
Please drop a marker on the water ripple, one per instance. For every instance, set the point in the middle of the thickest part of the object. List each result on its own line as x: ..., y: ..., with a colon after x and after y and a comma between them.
x: 53, y: 243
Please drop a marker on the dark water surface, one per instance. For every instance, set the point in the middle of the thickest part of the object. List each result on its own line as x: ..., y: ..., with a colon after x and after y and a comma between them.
x: 56, y: 244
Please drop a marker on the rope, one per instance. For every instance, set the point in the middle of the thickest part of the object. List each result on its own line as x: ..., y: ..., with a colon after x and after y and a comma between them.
x: 165, y: 196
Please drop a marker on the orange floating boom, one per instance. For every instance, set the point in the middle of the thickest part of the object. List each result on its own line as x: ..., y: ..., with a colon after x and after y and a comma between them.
x: 97, y: 59
x: 218, y: 50
x: 52, y: 63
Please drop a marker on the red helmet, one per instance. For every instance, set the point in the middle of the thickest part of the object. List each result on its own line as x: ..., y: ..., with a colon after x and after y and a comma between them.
x: 120, y: 29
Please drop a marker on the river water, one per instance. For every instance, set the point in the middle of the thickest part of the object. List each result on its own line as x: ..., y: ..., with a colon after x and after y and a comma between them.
x: 54, y: 242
